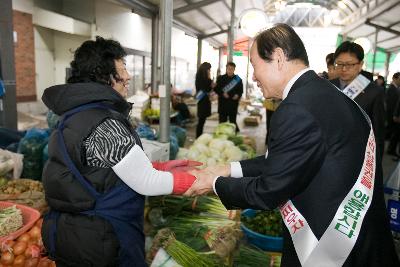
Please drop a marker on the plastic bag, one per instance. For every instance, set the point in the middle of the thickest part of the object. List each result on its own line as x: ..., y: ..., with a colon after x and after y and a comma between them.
x: 174, y: 147
x: 52, y: 119
x: 11, y: 161
x: 163, y: 259
x: 392, y: 198
x: 180, y: 135
x: 146, y: 132
x: 9, y: 136
x: 45, y: 154
x: 31, y: 146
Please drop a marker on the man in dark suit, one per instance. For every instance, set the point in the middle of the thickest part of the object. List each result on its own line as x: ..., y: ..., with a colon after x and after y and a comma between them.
x: 392, y: 98
x: 348, y: 63
x: 229, y: 88
x: 321, y: 156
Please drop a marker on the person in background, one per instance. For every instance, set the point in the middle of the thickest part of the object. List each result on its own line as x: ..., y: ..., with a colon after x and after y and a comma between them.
x: 98, y: 174
x: 319, y: 169
x: 204, y: 86
x: 380, y: 81
x: 330, y: 65
x: 229, y: 89
x: 393, y: 111
x: 179, y: 105
x: 348, y: 64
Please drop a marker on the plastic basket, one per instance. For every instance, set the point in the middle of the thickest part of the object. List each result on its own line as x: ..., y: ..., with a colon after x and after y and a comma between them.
x: 29, y: 217
x: 265, y: 242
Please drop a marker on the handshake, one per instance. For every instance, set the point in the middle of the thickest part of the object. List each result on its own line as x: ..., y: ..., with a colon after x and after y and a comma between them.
x: 201, y: 180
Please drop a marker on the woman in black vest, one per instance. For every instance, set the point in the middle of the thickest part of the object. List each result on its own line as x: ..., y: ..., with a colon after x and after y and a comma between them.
x: 97, y: 173
x: 204, y: 87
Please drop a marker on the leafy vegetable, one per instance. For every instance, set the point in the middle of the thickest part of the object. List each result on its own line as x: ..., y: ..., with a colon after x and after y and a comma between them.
x: 265, y: 222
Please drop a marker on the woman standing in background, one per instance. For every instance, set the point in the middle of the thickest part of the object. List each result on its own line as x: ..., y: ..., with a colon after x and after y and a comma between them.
x: 204, y: 86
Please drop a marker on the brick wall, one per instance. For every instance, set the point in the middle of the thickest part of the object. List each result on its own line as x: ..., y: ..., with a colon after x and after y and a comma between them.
x: 24, y: 52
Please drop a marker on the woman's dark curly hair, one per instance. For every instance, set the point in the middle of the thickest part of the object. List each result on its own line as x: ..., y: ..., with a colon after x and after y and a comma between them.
x: 94, y: 61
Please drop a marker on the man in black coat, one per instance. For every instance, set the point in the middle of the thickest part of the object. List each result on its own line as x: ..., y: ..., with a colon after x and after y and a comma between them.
x: 348, y: 63
x: 392, y: 98
x: 229, y: 89
x: 321, y: 156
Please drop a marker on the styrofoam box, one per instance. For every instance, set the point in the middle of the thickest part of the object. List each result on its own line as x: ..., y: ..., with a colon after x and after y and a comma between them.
x: 156, y: 151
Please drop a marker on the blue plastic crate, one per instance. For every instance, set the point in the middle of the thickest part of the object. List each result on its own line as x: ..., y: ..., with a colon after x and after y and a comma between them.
x: 264, y: 242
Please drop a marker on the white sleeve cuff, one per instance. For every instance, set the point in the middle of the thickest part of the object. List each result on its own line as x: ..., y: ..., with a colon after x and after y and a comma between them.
x: 215, y: 180
x: 136, y: 170
x: 236, y: 170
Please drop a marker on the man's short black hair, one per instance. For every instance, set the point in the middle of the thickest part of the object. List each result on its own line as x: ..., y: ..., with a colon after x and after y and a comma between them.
x: 283, y: 36
x: 396, y: 75
x: 230, y: 63
x: 352, y: 48
x: 94, y: 61
x: 330, y: 59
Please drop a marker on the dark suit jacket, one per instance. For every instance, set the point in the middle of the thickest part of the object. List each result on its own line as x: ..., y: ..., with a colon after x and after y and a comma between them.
x: 392, y: 96
x: 316, y: 150
x: 228, y: 105
x: 204, y: 105
x: 372, y: 101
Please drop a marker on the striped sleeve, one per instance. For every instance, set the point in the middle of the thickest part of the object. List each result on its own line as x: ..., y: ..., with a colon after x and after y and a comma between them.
x: 108, y: 144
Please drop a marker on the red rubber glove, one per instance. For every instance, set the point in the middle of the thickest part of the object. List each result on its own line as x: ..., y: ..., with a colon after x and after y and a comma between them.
x: 176, y: 165
x: 182, y: 182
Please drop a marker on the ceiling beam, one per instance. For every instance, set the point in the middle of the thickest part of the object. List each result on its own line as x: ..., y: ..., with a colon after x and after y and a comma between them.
x: 212, y: 34
x: 206, y: 15
x: 388, y: 39
x: 393, y: 49
x: 179, y: 24
x: 193, y: 6
x: 379, y: 27
x: 361, y: 18
x: 148, y: 9
x: 141, y: 7
x: 306, y: 13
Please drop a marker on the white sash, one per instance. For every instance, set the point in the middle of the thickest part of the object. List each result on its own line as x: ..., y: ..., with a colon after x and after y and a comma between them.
x: 356, y: 86
x: 341, y: 235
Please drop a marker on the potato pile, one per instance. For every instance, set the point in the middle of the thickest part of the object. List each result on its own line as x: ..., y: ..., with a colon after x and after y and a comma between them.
x: 19, y: 186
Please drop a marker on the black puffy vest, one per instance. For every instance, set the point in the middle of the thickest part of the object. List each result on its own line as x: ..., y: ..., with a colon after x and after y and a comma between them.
x: 81, y: 240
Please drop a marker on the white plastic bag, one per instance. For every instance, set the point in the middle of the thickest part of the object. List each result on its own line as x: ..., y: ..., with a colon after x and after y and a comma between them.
x: 11, y: 161
x: 162, y: 259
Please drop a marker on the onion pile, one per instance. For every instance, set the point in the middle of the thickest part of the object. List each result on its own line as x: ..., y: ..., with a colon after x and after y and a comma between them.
x: 26, y: 250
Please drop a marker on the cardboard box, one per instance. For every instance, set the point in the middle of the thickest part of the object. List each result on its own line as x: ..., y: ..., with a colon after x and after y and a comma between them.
x: 252, y: 120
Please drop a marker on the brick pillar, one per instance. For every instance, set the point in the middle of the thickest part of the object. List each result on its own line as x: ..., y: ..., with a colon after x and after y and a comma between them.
x: 24, y: 52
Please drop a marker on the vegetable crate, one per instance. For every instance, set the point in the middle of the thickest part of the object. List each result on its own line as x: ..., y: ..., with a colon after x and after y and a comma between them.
x: 29, y: 215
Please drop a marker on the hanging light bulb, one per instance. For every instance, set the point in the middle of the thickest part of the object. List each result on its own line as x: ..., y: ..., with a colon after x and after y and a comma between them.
x: 252, y: 21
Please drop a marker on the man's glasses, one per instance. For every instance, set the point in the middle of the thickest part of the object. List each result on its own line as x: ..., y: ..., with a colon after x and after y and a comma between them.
x: 345, y: 65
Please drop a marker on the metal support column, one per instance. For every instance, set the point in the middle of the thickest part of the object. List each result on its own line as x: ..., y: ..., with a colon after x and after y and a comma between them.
x: 247, y: 69
x: 8, y: 103
x: 387, y: 62
x: 231, y: 36
x: 154, y: 53
x: 220, y: 55
x: 164, y: 91
x: 375, y: 50
x: 199, y: 51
